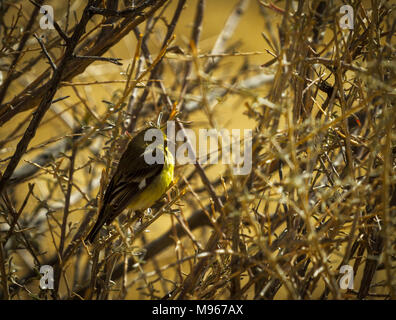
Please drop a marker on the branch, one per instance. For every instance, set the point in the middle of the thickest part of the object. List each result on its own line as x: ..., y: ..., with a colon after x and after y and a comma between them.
x: 66, y: 212
x: 226, y: 33
x: 32, y: 94
x: 156, y: 69
x: 56, y: 25
x: 126, y: 13
x: 9, y: 78
x: 51, y: 62
x: 47, y: 99
x: 112, y: 60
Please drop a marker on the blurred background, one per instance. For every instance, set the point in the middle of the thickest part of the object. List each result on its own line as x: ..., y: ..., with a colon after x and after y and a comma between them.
x: 251, y: 69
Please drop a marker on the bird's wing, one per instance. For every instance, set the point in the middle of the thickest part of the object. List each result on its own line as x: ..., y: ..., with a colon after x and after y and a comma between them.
x: 133, y: 179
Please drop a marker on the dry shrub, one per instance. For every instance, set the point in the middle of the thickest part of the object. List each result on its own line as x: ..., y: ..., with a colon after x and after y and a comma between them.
x: 321, y: 194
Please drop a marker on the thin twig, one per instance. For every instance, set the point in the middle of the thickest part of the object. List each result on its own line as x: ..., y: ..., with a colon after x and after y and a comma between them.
x: 51, y: 62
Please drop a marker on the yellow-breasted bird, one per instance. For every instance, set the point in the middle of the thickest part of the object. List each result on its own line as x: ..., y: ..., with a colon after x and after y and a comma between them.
x: 136, y: 183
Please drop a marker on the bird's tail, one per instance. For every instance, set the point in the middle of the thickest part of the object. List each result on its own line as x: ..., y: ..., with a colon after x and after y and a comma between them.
x: 94, y: 232
x: 98, y: 225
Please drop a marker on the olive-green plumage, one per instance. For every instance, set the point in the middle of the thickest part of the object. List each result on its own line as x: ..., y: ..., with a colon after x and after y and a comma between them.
x: 135, y: 184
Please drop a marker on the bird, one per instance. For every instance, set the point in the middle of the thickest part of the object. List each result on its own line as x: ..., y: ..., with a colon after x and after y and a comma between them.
x: 136, y: 183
